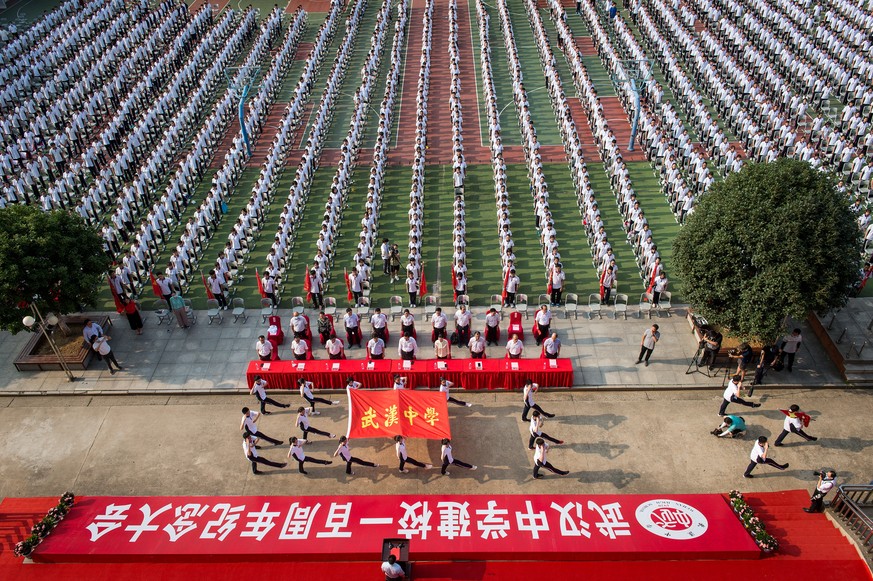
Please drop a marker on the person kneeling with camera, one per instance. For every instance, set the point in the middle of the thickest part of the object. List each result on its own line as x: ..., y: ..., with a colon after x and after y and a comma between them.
x: 731, y: 427
x: 826, y: 481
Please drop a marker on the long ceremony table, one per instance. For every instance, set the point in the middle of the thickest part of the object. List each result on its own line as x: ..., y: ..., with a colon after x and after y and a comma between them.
x: 465, y: 373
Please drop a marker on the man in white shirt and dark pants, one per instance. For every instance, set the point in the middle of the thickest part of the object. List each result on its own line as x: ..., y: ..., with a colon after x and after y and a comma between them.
x: 259, y: 390
x: 446, y: 453
x: 759, y: 456
x: 647, y: 345
x: 251, y: 454
x: 790, y: 346
x: 732, y: 395
x: 826, y: 481
x: 249, y: 424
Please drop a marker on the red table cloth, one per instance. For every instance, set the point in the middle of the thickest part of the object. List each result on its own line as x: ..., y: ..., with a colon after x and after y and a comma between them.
x: 465, y: 373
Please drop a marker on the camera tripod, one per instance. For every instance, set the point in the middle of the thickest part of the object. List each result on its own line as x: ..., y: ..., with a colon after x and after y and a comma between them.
x: 694, y: 366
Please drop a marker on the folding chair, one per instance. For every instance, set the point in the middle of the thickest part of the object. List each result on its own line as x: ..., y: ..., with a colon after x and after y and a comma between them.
x: 239, y: 310
x: 213, y: 311
x: 665, y: 303
x: 396, y: 306
x: 430, y: 305
x: 572, y: 306
x: 297, y: 304
x: 329, y: 306
x: 521, y: 304
x: 594, y: 305
x: 267, y: 309
x: 463, y: 300
x: 190, y: 312
x: 645, y: 305
x: 162, y: 311
x: 620, y: 306
x: 497, y: 304
x: 544, y: 299
x: 363, y: 308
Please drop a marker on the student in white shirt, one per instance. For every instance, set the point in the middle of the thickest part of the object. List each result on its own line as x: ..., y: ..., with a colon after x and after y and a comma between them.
x: 296, y: 452
x: 445, y: 386
x: 514, y: 347
x: 392, y: 569
x: 530, y: 388
x: 446, y: 454
x: 306, y: 393
x: 399, y: 382
x: 407, y: 323
x: 759, y: 456
x: 380, y: 325
x: 302, y: 422
x: 659, y: 287
x: 259, y: 390
x: 251, y: 454
x: 264, y: 348
x: 536, y: 430
x: 512, y: 283
x: 790, y: 346
x: 407, y: 348
x: 400, y: 450
x: 376, y: 347
x: 352, y: 384
x: 793, y: 424
x: 343, y: 452
x: 556, y: 278
x: 732, y: 394
x: 541, y: 460
x: 101, y: 346
x: 249, y: 424
x: 412, y: 288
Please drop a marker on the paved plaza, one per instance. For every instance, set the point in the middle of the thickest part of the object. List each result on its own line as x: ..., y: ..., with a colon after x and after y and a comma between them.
x: 212, y: 358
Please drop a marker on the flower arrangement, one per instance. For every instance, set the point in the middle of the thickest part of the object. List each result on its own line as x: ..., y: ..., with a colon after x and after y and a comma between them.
x: 752, y: 523
x: 42, y: 529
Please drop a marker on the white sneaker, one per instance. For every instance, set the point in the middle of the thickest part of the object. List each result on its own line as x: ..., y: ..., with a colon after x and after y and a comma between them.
x: 428, y: 466
x: 404, y: 471
x: 377, y: 465
x: 315, y: 413
x: 335, y: 402
x: 469, y: 405
x: 333, y: 435
x: 447, y: 473
x: 474, y: 468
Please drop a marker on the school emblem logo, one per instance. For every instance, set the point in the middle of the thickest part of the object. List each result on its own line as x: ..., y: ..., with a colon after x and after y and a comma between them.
x: 671, y: 519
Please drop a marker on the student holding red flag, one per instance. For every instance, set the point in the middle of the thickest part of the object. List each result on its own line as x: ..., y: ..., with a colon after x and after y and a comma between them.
x: 260, y: 285
x: 795, y: 421
x: 510, y: 287
x: 454, y: 286
x: 156, y: 288
x: 422, y: 290
x: 211, y: 296
x: 114, y: 285
x: 348, y: 285
x: 307, y: 286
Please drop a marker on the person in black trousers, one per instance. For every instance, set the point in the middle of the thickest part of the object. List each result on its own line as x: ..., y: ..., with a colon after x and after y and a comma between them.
x: 541, y: 460
x: 259, y: 390
x: 400, y: 449
x: 794, y: 424
x: 248, y: 424
x: 296, y: 452
x: 303, y: 423
x: 446, y: 453
x: 251, y: 453
x: 759, y: 456
x: 343, y: 452
x: 530, y: 388
x: 536, y: 431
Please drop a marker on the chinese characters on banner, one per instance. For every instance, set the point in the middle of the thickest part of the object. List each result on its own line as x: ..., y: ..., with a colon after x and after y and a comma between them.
x: 414, y: 414
x: 352, y: 528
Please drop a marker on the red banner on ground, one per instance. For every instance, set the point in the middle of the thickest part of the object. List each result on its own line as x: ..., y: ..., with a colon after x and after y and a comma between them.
x: 385, y: 414
x: 451, y: 527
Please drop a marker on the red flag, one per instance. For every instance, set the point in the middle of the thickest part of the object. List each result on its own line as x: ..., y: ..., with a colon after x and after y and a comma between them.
x: 307, y: 286
x: 803, y: 416
x: 388, y: 413
x: 348, y: 285
x: 602, y: 276
x: 118, y: 306
x: 260, y: 285
x: 652, y: 281
x: 505, y: 282
x: 454, y: 285
x: 209, y: 294
x: 156, y: 288
x: 549, y: 286
x: 422, y: 290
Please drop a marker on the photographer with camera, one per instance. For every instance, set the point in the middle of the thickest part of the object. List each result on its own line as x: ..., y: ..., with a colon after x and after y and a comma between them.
x: 711, y: 344
x: 826, y: 481
x: 731, y: 427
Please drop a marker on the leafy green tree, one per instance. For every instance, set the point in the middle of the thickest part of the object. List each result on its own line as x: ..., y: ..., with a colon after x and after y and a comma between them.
x: 53, y: 256
x: 772, y: 240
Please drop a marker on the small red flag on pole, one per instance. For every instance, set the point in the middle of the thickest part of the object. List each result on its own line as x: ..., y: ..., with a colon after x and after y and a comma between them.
x: 505, y: 283
x: 454, y: 285
x: 348, y: 285
x: 156, y: 288
x: 423, y: 288
x: 209, y: 294
x: 260, y: 285
x: 549, y: 286
x: 118, y: 306
x: 307, y: 285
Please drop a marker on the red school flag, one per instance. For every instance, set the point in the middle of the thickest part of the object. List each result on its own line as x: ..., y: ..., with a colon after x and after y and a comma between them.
x: 454, y: 285
x: 652, y: 281
x: 260, y: 284
x: 505, y: 283
x: 156, y: 288
x: 602, y: 276
x: 549, y: 286
x: 351, y: 296
x: 423, y: 288
x: 118, y: 306
x: 209, y: 294
x: 307, y: 286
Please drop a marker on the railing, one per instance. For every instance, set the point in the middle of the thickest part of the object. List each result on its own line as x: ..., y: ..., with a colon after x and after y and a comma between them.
x: 849, y: 506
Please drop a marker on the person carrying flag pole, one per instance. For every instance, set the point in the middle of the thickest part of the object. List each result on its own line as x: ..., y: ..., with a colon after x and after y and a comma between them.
x: 351, y: 296
x: 795, y: 421
x: 209, y: 294
x: 260, y: 285
x: 607, y: 283
x: 307, y: 285
x: 422, y: 287
x: 454, y: 286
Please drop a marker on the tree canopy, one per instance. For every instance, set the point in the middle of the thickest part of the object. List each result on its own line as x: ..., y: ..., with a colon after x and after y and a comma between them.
x: 53, y: 256
x: 771, y: 240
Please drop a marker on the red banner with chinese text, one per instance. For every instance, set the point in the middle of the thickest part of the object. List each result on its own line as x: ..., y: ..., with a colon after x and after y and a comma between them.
x: 538, y: 527
x: 385, y: 414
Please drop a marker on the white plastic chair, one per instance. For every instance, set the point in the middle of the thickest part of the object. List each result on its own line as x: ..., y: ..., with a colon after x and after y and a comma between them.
x: 665, y: 303
x: 162, y: 311
x: 239, y: 310
x: 594, y: 306
x: 430, y: 306
x: 497, y: 304
x: 521, y: 304
x: 213, y: 311
x: 620, y: 306
x: 267, y: 309
x: 645, y: 305
x: 329, y: 306
x: 396, y: 303
x: 363, y: 308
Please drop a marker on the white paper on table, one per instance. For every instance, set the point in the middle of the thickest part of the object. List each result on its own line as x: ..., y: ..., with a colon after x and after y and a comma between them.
x: 441, y: 365
x: 553, y: 363
x: 335, y: 366
x: 265, y: 366
x: 370, y: 365
x: 301, y: 366
x: 407, y: 364
x: 513, y: 366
